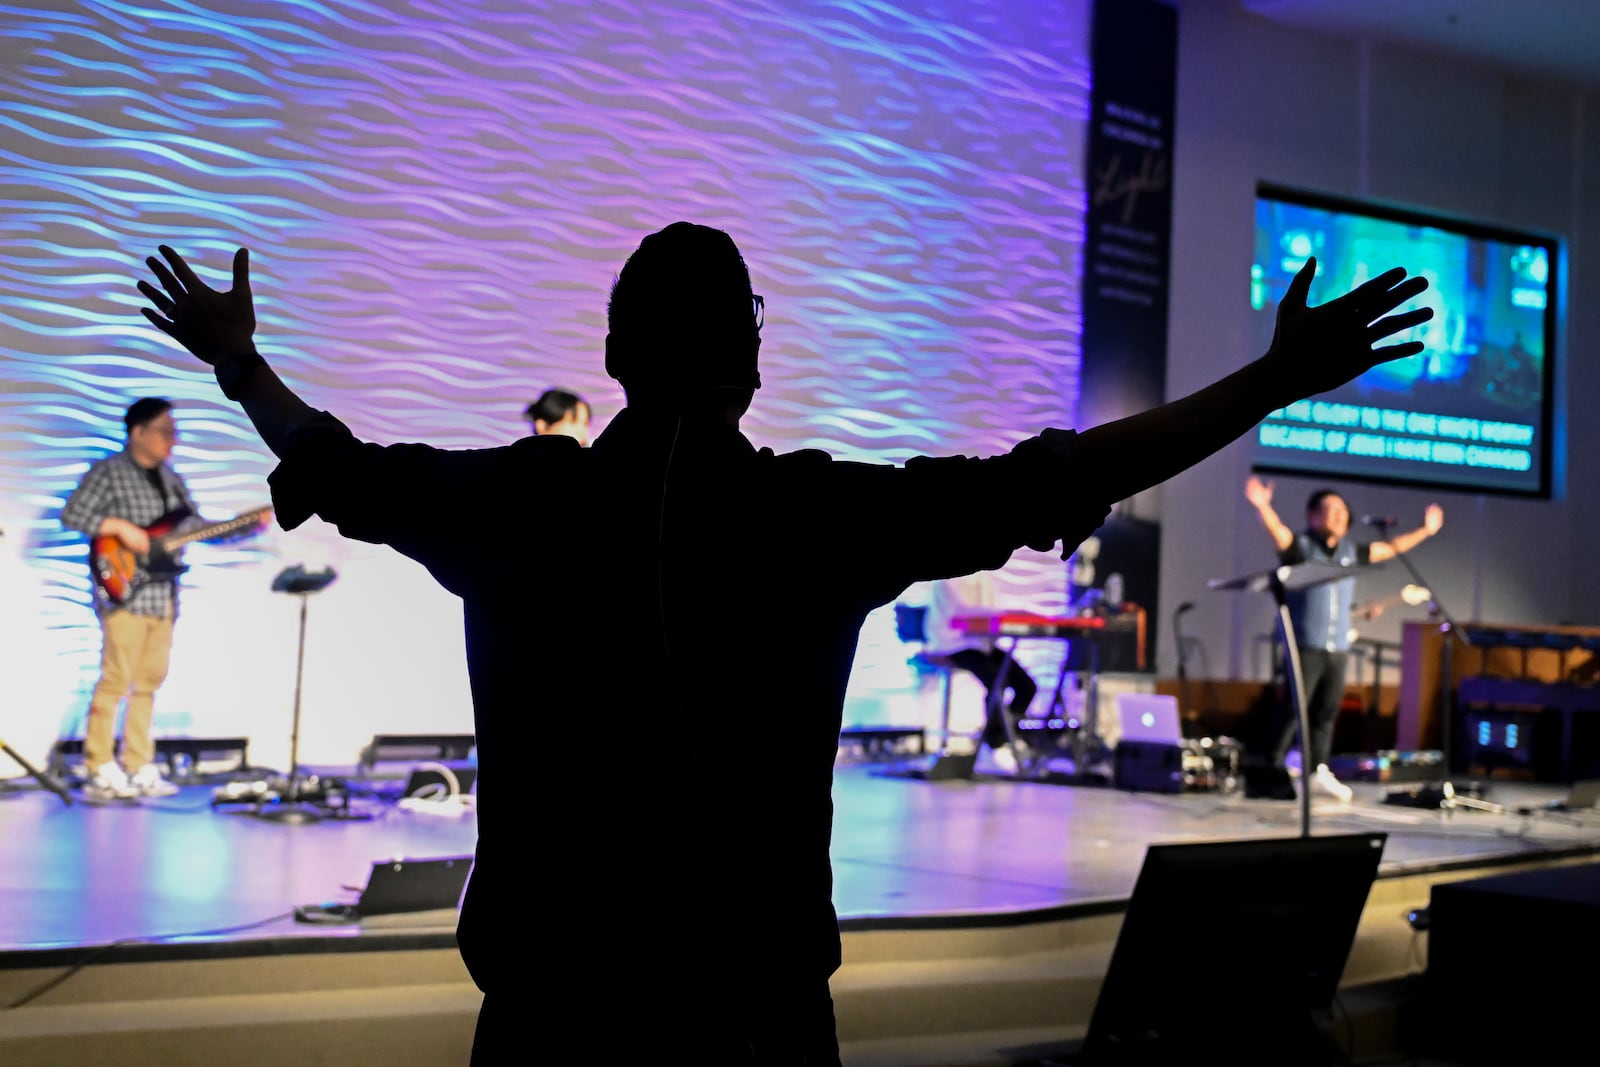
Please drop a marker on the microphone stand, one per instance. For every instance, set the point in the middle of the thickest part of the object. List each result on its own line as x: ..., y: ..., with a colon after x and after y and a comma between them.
x: 1279, y: 582
x: 1178, y: 639
x: 1450, y: 633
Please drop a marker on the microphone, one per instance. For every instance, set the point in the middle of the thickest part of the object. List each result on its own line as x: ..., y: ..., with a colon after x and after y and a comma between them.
x: 1380, y: 521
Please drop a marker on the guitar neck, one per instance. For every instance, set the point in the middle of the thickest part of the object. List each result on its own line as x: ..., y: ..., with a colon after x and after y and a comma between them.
x: 214, y: 529
x: 1414, y: 595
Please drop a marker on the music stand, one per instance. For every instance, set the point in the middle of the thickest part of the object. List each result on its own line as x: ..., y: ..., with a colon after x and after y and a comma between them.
x: 1289, y: 909
x: 296, y: 802
x: 1280, y: 581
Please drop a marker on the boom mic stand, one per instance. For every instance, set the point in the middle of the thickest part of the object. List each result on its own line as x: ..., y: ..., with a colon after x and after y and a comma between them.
x: 1449, y: 797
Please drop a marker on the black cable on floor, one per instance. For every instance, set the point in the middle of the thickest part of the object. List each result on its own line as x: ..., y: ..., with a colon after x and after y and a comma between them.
x: 100, y: 950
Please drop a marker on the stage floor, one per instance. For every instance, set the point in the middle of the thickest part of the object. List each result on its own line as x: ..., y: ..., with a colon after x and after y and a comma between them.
x: 907, y: 853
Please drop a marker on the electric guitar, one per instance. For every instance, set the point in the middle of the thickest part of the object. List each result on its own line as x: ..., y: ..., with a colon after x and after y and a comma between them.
x: 119, y: 571
x: 1414, y: 595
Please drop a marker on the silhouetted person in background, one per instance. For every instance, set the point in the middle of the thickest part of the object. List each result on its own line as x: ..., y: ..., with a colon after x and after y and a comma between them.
x: 973, y: 594
x: 560, y: 412
x: 676, y: 906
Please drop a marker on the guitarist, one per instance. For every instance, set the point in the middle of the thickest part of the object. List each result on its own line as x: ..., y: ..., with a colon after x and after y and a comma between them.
x: 118, y: 497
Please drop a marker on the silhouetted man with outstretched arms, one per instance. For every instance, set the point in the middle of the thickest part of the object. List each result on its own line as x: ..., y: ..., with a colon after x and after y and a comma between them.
x: 672, y: 900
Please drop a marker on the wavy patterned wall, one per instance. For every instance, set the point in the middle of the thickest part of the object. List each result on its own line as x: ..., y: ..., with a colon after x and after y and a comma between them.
x: 436, y: 198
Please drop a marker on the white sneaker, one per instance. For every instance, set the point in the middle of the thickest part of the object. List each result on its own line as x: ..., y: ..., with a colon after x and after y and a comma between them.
x: 109, y: 782
x: 148, y: 781
x: 1001, y: 760
x: 1326, y: 784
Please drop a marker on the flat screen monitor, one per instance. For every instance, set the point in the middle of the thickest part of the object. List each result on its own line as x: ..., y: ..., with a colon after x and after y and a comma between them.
x: 1472, y: 411
x: 1255, y: 932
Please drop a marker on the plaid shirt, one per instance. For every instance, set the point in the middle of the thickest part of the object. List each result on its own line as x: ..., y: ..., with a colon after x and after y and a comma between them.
x: 117, y: 487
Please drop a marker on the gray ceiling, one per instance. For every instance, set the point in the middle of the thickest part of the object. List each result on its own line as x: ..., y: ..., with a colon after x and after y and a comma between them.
x: 1557, y: 39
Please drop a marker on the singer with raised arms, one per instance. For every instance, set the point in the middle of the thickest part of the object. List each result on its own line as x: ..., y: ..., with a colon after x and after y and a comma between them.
x: 701, y: 900
x: 1322, y: 614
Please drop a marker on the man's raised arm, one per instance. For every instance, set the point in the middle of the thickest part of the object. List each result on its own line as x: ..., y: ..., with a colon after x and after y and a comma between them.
x: 1389, y: 548
x: 1313, y: 350
x: 219, y: 329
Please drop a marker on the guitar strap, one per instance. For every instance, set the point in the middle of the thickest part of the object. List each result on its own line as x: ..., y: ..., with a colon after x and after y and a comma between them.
x: 160, y: 483
x: 154, y: 474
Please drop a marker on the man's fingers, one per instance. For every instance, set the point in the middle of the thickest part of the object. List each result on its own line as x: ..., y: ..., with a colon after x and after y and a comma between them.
x: 241, y: 272
x: 1397, y: 324
x: 156, y: 297
x: 1392, y: 352
x: 165, y: 277
x: 1381, y: 303
x: 182, y: 269
x: 1382, y: 294
x: 1300, y: 284
x: 158, y: 322
x: 1372, y: 297
x: 1374, y: 287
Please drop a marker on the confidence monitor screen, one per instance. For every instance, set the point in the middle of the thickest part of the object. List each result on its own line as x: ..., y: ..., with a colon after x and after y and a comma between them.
x: 1472, y: 410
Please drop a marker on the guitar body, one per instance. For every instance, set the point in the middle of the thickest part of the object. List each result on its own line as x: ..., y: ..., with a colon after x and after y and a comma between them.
x: 120, y: 573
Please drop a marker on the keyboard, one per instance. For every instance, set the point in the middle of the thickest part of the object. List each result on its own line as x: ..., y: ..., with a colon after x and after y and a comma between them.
x: 1027, y: 624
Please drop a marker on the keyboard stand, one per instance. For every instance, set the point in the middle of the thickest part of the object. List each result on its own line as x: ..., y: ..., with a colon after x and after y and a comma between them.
x: 1086, y: 744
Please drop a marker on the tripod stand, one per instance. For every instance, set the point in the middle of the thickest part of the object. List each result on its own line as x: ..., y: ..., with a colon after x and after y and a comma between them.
x: 39, y: 776
x: 299, y: 798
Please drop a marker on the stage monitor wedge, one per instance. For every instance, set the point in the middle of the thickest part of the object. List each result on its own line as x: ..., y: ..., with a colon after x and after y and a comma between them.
x: 1242, y: 942
x: 1471, y: 412
x: 397, y: 888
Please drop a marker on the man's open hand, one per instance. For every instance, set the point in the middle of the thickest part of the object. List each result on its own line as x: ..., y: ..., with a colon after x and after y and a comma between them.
x: 214, y: 326
x: 1319, y: 348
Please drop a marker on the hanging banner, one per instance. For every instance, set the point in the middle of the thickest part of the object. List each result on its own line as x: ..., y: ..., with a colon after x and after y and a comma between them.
x: 1127, y: 249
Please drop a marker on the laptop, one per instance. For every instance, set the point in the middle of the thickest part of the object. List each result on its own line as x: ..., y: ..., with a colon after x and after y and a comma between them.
x: 1585, y: 793
x: 399, y: 886
x: 1149, y: 717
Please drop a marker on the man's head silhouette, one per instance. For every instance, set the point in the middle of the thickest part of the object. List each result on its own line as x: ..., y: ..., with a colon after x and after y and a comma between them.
x: 682, y: 320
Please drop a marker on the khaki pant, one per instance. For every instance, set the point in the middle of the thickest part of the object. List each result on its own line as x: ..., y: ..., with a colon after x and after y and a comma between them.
x: 134, y: 653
